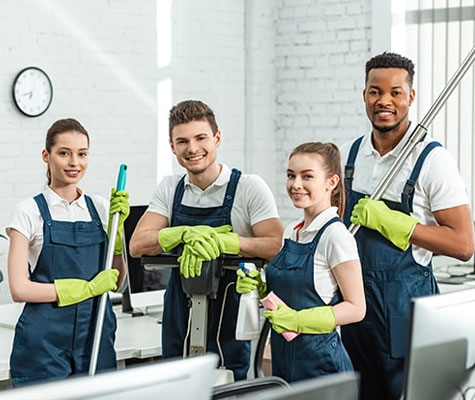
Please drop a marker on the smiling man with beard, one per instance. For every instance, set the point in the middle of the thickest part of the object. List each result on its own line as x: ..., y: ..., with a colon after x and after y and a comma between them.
x: 198, y: 210
x: 424, y: 211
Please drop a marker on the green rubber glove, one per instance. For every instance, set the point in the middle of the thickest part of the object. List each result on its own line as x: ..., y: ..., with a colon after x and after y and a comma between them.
x: 316, y: 320
x: 119, y: 203
x: 72, y: 291
x: 202, y: 238
x: 246, y: 283
x: 190, y: 262
x: 394, y: 225
x: 169, y: 238
x: 228, y: 242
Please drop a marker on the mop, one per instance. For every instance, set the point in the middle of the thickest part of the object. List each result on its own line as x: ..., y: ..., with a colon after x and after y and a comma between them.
x: 110, y: 256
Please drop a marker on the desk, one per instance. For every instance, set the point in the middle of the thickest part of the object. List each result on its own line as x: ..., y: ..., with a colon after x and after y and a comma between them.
x: 136, y: 337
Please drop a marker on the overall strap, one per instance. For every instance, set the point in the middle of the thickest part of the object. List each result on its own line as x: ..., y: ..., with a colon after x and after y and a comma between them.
x: 231, y: 189
x: 179, y: 191
x: 317, y: 237
x: 92, y: 210
x: 350, y: 163
x: 407, y: 194
x: 43, y: 207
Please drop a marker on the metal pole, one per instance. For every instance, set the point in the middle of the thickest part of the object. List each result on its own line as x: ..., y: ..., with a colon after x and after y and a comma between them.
x: 103, y: 299
x: 420, y: 131
x: 109, y: 259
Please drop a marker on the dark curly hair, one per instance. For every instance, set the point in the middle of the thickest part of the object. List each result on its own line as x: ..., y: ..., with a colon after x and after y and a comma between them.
x: 391, y: 60
x: 191, y: 110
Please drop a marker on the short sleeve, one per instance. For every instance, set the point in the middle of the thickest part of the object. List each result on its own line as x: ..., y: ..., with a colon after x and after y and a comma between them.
x: 441, y: 181
x: 341, y: 245
x: 162, y: 198
x: 26, y: 219
x: 102, y: 208
x: 260, y: 200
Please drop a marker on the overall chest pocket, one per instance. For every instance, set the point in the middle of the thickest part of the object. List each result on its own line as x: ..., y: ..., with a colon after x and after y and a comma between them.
x: 78, y: 235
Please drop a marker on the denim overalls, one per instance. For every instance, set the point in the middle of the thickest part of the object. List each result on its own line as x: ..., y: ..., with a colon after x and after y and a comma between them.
x: 176, y: 304
x: 290, y: 276
x: 391, y: 277
x: 54, y: 342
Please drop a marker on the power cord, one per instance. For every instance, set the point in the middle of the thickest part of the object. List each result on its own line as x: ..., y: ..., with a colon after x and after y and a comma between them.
x: 188, y: 330
x: 220, y: 322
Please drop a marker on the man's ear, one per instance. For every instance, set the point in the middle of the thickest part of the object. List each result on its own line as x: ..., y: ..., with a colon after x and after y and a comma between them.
x: 217, y: 138
x: 172, y: 146
x: 412, y: 96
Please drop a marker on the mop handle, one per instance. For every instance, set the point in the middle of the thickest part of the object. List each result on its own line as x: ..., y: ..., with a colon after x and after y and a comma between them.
x: 110, y: 256
x: 420, y: 131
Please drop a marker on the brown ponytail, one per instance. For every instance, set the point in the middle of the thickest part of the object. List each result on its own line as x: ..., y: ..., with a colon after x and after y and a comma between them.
x: 331, y: 159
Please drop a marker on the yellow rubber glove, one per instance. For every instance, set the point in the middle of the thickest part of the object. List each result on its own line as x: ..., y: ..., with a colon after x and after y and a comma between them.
x: 394, y: 225
x: 316, y: 320
x: 246, y: 283
x: 202, y: 238
x: 119, y: 203
x: 72, y: 291
x: 169, y: 238
x: 228, y: 242
x: 190, y: 262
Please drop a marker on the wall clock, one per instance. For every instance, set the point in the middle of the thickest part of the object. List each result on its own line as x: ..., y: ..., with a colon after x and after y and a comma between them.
x: 32, y: 91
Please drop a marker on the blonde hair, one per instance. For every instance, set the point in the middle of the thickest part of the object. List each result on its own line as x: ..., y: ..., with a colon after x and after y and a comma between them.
x: 332, y: 164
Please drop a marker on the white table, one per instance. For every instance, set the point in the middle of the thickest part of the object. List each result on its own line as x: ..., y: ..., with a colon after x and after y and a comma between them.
x: 136, y: 337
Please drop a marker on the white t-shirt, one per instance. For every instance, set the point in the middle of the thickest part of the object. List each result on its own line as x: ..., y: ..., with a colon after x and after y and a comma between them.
x: 27, y: 220
x: 253, y: 201
x: 335, y: 246
x: 438, y: 187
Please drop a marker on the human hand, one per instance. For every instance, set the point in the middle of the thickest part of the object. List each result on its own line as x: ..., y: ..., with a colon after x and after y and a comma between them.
x: 394, y: 225
x: 190, y: 262
x: 246, y: 283
x: 119, y: 203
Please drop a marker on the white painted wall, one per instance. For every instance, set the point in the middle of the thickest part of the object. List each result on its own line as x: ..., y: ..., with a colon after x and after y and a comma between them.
x: 276, y: 73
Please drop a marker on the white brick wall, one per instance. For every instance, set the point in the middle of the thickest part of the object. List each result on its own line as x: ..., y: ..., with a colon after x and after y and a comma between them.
x: 276, y: 73
x: 101, y: 58
x: 321, y: 49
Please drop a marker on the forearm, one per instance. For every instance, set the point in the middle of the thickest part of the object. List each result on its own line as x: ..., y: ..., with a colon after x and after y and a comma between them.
x: 145, y: 242
x: 262, y: 247
x: 347, y: 312
x: 33, y: 292
x: 444, y: 240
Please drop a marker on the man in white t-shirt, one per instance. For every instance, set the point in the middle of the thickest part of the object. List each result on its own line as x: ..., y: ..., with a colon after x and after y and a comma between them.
x: 197, y: 210
x: 424, y: 211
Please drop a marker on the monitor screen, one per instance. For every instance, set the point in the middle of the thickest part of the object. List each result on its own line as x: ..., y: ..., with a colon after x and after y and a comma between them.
x: 343, y: 386
x: 146, y: 288
x: 441, y: 352
x: 190, y: 378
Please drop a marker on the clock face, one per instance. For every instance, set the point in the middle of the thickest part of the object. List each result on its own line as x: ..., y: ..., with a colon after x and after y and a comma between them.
x: 32, y: 91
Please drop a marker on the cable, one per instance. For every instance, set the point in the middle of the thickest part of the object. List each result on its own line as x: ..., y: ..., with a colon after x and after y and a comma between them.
x: 185, y: 342
x: 219, y: 324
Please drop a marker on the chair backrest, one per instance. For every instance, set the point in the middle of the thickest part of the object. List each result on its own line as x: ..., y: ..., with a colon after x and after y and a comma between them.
x: 145, y: 288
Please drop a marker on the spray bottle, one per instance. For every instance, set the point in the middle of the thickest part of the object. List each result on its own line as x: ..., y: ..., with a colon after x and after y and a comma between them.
x: 247, y: 326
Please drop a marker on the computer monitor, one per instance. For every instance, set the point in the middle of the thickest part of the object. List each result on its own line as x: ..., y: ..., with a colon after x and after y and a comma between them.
x: 145, y: 288
x: 190, y: 378
x: 343, y: 386
x: 441, y: 346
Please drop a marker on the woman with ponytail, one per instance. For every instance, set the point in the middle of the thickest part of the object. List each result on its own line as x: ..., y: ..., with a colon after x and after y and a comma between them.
x: 317, y: 274
x: 56, y: 260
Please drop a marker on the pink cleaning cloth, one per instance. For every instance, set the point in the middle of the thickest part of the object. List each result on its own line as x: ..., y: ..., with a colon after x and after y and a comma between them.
x: 270, y: 303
